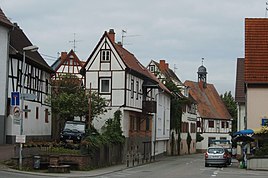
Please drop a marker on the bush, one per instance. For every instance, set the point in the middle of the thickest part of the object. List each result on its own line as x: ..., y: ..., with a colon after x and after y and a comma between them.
x: 262, y: 151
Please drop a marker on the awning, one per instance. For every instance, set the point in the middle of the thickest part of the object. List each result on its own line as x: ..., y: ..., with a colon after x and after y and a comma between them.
x: 243, y: 132
x: 243, y: 138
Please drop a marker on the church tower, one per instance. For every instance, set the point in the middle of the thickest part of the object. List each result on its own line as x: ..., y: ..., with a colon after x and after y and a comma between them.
x: 202, y: 75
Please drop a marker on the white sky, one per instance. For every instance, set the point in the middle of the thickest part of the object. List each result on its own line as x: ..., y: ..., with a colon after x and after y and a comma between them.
x: 179, y: 31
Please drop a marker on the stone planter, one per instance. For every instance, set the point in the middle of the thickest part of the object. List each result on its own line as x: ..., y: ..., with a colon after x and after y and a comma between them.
x: 257, y: 163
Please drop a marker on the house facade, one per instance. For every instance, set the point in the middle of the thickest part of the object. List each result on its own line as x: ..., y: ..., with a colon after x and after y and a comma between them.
x: 213, y: 119
x: 255, y: 72
x: 116, y: 75
x: 188, y: 122
x: 68, y: 63
x: 240, y: 95
x: 5, y: 27
x: 36, y: 111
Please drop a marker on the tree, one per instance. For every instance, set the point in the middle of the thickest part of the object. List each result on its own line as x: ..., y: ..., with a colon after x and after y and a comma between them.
x: 69, y: 99
x: 230, y: 104
x: 189, y: 140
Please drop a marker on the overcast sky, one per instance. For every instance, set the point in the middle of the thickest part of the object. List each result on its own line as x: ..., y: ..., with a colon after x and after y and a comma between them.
x: 180, y: 31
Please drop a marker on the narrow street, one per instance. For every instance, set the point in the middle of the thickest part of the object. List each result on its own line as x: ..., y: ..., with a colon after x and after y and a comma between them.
x: 188, y: 166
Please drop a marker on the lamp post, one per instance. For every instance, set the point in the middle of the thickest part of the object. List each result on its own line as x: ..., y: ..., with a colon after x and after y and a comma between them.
x: 31, y: 48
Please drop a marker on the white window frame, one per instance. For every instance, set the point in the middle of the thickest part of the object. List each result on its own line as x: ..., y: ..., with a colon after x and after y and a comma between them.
x: 105, y: 55
x: 101, y: 87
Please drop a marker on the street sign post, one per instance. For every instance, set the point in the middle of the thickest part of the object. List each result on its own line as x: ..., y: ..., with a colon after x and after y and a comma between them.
x: 15, y: 98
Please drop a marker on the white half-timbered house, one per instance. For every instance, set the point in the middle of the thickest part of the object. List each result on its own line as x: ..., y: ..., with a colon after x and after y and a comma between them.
x: 213, y: 119
x: 5, y: 27
x: 188, y: 121
x: 37, y: 117
x: 127, y: 85
x: 68, y: 63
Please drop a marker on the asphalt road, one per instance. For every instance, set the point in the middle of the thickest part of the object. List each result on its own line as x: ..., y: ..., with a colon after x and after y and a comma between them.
x: 188, y: 166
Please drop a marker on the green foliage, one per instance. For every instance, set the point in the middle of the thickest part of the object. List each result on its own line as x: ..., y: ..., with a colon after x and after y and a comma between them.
x: 230, y: 104
x: 263, y: 151
x: 199, y: 137
x: 61, y: 150
x: 189, y: 140
x: 176, y: 106
x: 113, y: 132
x: 70, y: 99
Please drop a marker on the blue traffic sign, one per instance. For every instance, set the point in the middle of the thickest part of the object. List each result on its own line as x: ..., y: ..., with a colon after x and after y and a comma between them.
x: 15, y: 98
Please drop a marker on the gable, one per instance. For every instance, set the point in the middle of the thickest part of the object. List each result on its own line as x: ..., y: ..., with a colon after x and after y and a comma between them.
x: 209, y: 103
x: 95, y: 61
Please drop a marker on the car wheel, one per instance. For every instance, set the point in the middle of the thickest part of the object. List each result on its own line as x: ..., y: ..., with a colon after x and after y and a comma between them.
x: 206, y: 165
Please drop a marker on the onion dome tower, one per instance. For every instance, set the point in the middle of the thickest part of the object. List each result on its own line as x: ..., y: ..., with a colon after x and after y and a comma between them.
x: 202, y: 74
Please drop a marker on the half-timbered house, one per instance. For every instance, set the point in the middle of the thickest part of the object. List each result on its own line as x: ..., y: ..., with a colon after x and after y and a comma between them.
x: 213, y: 118
x: 68, y: 63
x: 188, y: 121
x: 36, y: 112
x: 5, y: 27
x: 127, y: 85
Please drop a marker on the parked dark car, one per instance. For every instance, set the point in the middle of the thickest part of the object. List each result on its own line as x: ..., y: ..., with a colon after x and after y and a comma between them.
x: 73, y: 132
x: 216, y: 156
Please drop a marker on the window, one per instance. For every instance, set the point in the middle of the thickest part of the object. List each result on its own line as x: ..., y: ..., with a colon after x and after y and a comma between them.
x: 25, y: 112
x: 137, y: 89
x: 105, y: 85
x: 223, y: 125
x: 193, y: 129
x: 132, y: 88
x: 198, y: 123
x: 36, y: 112
x: 152, y: 68
x: 46, y: 86
x: 211, y: 124
x: 227, y: 125
x: 46, y: 115
x: 105, y: 56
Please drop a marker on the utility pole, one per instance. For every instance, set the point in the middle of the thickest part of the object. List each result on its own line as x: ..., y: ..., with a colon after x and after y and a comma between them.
x: 89, y: 107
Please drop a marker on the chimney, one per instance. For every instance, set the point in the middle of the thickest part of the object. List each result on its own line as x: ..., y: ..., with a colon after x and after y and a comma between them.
x: 163, y: 65
x: 63, y: 55
x: 111, y: 35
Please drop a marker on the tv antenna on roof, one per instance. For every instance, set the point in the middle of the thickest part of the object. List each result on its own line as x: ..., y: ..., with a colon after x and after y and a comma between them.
x: 74, y: 42
x: 124, y: 32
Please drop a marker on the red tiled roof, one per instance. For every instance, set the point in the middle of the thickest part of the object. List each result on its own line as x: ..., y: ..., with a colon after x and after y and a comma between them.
x: 256, y: 50
x: 18, y: 40
x: 4, y: 20
x: 240, y: 81
x: 132, y: 63
x: 209, y: 103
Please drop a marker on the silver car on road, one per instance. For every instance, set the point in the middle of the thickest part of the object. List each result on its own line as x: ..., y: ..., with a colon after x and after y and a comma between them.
x: 216, y: 156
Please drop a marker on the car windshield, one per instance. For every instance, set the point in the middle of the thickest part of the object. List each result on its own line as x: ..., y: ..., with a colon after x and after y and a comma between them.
x: 216, y: 150
x: 75, y: 127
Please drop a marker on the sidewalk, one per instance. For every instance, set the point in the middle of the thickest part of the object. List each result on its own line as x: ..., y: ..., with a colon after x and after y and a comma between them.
x: 6, y: 152
x: 92, y: 173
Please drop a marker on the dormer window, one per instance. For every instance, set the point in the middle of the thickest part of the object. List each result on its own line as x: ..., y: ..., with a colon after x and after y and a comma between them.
x: 105, y: 56
x: 152, y: 68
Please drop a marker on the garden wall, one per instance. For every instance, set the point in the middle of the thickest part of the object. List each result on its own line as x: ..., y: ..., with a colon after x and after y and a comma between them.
x: 257, y: 163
